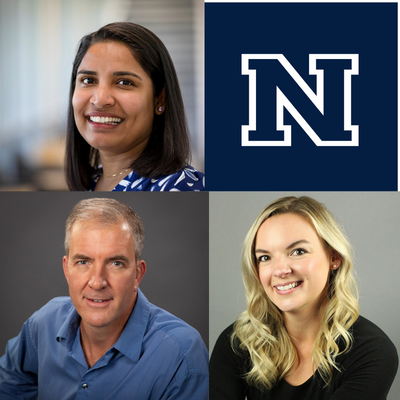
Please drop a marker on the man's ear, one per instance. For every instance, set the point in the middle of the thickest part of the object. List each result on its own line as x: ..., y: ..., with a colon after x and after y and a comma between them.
x: 65, y: 267
x: 160, y: 102
x: 140, y: 271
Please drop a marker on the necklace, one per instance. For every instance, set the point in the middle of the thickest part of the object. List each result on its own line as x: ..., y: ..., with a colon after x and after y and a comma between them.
x: 117, y: 174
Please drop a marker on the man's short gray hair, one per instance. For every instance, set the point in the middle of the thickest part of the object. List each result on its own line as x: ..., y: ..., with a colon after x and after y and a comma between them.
x: 104, y: 211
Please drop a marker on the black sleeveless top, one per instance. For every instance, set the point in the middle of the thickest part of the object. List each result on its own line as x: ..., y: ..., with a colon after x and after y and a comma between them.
x: 367, y: 371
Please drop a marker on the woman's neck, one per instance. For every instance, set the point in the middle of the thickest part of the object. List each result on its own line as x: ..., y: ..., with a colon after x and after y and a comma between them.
x: 303, y: 328
x: 303, y: 331
x: 113, y: 165
x: 115, y: 168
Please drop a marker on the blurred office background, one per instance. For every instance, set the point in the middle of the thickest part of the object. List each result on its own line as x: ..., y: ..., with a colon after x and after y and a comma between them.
x: 38, y: 41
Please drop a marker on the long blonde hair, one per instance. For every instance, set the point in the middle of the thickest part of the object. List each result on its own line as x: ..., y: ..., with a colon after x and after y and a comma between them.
x: 260, y: 329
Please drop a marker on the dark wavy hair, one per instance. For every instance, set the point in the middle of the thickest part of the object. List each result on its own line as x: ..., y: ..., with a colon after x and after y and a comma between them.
x: 168, y: 149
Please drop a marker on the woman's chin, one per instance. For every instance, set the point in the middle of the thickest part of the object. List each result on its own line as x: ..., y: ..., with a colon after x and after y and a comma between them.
x: 104, y: 144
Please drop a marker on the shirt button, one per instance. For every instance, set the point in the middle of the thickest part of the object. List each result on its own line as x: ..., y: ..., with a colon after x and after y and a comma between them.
x: 85, y: 385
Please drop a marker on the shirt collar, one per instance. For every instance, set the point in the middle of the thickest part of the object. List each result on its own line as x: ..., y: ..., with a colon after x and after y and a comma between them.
x: 69, y: 327
x: 131, y: 339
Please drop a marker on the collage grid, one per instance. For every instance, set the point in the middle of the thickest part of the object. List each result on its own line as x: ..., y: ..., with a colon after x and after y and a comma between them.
x: 281, y: 98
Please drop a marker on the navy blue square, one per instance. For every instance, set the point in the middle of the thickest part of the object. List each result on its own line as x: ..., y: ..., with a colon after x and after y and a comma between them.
x: 271, y: 48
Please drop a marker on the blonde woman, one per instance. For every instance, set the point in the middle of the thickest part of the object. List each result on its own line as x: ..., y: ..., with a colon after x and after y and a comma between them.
x: 302, y: 337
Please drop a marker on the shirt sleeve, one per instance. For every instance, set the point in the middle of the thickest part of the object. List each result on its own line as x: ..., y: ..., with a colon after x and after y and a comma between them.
x: 226, y: 370
x: 18, y: 367
x: 191, y: 379
x: 370, y: 372
x: 194, y: 387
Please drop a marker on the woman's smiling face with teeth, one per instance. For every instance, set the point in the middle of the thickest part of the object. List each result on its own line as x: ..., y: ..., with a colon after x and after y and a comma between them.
x: 113, y: 100
x: 293, y: 263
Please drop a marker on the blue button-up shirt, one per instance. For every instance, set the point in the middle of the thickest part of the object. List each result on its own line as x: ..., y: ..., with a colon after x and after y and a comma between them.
x: 157, y: 356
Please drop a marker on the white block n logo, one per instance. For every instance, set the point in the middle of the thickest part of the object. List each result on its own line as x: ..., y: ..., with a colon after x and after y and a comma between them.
x: 338, y: 110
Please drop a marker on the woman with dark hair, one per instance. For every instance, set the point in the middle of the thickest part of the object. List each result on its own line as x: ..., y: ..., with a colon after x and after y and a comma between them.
x: 301, y: 337
x: 126, y: 125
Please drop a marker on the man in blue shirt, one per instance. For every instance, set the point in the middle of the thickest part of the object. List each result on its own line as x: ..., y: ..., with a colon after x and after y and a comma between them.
x: 105, y: 341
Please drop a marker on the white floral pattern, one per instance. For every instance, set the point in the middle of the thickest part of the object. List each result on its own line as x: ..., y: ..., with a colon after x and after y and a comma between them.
x: 188, y: 179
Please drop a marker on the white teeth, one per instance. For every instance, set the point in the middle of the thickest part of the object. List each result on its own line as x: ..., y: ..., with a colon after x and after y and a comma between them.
x: 98, y: 301
x: 105, y: 120
x: 287, y: 287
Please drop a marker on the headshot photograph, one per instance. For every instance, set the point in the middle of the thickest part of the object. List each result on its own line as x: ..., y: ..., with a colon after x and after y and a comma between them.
x: 126, y: 126
x: 302, y: 295
x: 104, y: 294
x: 109, y: 95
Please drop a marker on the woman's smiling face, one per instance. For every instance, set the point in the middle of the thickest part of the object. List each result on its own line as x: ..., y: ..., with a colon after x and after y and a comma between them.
x: 293, y: 263
x: 113, y: 100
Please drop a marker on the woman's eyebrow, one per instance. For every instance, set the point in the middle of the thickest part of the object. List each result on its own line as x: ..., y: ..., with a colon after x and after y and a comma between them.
x: 291, y: 245
x: 116, y: 73
x: 86, y: 72
x: 296, y: 243
x: 261, y: 251
x: 123, y: 73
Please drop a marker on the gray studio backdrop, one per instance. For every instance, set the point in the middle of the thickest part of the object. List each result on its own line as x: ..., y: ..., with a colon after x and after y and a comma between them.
x: 175, y: 250
x: 372, y: 223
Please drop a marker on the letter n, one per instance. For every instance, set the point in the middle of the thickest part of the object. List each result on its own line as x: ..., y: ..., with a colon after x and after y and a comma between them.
x: 339, y: 111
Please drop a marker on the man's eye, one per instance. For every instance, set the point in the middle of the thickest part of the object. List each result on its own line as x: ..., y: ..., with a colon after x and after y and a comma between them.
x: 82, y: 262
x: 117, y: 263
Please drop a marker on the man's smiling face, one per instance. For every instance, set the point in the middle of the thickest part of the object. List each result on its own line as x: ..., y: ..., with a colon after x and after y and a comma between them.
x: 102, y: 273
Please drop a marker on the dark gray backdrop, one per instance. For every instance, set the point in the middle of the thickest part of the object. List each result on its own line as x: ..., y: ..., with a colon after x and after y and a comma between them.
x: 31, y: 250
x: 372, y: 223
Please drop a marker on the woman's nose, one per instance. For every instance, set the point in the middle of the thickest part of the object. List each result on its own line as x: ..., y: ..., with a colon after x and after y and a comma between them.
x: 102, y: 96
x: 282, y: 267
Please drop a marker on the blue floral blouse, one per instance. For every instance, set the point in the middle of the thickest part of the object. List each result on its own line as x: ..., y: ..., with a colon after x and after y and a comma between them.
x: 188, y: 179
